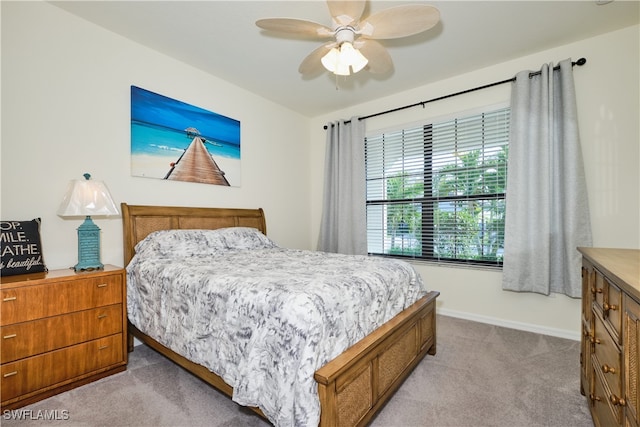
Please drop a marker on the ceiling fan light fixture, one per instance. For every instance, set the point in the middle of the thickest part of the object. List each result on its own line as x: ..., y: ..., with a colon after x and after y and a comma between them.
x: 353, y: 57
x: 343, y: 60
x: 352, y: 34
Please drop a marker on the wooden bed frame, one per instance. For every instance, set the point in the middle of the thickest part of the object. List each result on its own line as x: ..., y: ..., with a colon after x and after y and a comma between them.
x: 353, y: 386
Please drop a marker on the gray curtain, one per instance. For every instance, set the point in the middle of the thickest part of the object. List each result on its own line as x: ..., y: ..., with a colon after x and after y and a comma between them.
x: 343, y: 228
x: 547, y: 212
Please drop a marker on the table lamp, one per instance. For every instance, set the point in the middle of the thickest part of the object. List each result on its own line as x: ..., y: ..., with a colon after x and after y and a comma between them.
x: 86, y: 197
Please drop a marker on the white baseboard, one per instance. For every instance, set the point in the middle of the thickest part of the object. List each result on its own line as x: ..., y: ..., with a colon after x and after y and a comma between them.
x: 560, y: 333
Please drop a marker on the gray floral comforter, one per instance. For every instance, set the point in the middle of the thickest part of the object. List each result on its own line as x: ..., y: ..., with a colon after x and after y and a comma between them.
x: 263, y: 318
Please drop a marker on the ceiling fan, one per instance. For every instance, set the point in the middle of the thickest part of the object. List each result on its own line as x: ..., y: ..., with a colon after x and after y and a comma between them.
x: 354, y: 44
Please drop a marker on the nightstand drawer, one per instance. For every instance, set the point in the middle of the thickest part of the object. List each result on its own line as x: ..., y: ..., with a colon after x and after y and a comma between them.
x: 32, y: 338
x: 61, y: 366
x: 25, y: 303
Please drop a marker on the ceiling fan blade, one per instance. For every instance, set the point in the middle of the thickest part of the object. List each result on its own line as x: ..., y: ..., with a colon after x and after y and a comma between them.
x: 295, y: 26
x: 379, y: 59
x: 400, y: 21
x: 346, y: 12
x: 312, y: 64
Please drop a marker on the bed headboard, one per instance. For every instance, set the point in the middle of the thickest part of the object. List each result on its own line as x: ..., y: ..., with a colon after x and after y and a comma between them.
x: 139, y: 221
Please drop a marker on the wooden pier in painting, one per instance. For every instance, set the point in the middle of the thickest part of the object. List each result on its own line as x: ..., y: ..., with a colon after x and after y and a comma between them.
x: 197, y: 165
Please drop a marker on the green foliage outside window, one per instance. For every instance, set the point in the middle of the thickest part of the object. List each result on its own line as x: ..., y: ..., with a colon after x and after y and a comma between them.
x: 466, y: 206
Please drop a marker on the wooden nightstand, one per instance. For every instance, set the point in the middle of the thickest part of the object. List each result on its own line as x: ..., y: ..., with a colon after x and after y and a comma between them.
x: 60, y: 330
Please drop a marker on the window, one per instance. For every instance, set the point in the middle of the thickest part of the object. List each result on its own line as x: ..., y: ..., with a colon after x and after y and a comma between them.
x: 436, y: 191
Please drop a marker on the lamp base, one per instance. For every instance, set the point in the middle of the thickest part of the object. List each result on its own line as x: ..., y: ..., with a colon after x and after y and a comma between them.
x: 83, y: 267
x: 88, y: 246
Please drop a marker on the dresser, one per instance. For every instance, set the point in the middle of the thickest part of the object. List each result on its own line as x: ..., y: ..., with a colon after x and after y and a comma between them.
x: 610, y: 345
x: 60, y: 330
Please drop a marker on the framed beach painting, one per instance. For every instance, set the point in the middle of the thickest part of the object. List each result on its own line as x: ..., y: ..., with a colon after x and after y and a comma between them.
x: 176, y: 141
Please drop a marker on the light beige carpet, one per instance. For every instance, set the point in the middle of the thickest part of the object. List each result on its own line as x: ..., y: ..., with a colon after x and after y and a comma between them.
x: 482, y: 375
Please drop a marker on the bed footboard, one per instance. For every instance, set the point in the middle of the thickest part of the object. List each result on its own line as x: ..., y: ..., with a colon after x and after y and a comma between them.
x: 356, y: 384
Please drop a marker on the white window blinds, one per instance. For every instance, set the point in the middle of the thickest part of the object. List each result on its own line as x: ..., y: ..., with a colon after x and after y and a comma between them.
x: 436, y: 191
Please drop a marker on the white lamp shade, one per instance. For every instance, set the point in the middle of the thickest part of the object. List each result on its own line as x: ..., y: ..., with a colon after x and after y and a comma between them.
x: 87, y: 197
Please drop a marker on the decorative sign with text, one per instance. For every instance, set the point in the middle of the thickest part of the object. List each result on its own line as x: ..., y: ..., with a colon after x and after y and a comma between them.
x: 21, y: 247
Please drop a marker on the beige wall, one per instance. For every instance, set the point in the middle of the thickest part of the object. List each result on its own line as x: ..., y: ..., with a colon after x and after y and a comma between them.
x: 66, y: 111
x: 608, y: 102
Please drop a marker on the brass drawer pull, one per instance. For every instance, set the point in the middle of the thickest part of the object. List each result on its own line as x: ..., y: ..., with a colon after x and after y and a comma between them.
x: 10, y: 374
x: 10, y: 299
x: 594, y: 397
x: 9, y: 336
x: 617, y: 401
x: 595, y: 340
x: 102, y: 316
x: 102, y: 285
x: 608, y: 307
x: 103, y: 347
x: 608, y: 369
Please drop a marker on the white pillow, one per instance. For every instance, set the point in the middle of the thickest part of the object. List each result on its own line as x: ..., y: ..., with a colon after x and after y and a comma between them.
x: 189, y: 243
x: 244, y: 238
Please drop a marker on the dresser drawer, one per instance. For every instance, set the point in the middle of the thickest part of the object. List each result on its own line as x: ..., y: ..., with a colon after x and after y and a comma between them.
x: 608, y: 299
x: 608, y: 356
x: 26, y: 339
x: 25, y: 303
x: 33, y: 374
x: 605, y: 413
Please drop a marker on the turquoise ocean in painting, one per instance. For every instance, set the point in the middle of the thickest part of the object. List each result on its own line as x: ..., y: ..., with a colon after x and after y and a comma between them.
x: 147, y: 138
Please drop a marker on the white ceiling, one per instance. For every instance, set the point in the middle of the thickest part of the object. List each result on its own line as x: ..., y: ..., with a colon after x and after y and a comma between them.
x: 221, y: 38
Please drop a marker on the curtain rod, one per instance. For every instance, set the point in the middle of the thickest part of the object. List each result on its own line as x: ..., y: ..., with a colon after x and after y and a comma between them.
x: 579, y: 62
